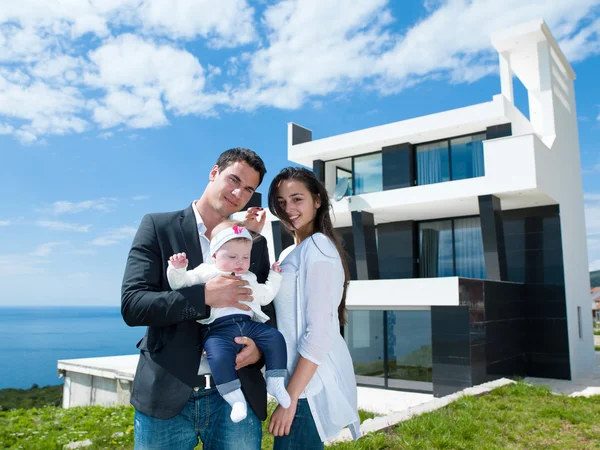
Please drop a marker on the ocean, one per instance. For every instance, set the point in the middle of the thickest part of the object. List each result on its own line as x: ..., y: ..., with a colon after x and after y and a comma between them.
x: 33, y: 339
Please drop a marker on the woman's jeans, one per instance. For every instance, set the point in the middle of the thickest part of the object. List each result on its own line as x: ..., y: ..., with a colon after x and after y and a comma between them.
x: 303, y: 433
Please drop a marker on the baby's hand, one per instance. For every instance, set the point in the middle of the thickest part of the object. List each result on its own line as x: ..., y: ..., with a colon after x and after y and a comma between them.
x: 275, y: 267
x: 178, y: 260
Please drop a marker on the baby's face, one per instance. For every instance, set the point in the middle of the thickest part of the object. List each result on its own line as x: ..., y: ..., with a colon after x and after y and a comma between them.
x: 234, y: 256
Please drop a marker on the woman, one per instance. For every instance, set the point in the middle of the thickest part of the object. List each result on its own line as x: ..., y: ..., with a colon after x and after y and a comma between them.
x: 310, y: 308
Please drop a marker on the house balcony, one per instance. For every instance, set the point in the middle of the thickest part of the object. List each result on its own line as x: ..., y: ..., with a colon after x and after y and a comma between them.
x: 515, y: 168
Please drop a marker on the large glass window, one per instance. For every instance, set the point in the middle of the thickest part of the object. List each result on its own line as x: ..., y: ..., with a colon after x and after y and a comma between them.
x: 436, y: 162
x: 433, y: 163
x: 467, y: 156
x: 454, y: 159
x: 365, y: 339
x: 468, y: 248
x: 409, y: 349
x: 368, y: 174
x: 391, y: 348
x: 451, y: 248
x: 436, y: 252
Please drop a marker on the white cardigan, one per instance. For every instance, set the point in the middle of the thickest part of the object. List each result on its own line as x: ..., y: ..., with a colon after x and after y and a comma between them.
x: 307, y: 316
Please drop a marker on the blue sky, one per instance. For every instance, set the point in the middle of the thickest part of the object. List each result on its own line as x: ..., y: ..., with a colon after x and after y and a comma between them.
x: 112, y: 109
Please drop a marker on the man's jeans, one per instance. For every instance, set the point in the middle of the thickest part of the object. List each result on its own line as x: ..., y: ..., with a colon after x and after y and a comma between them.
x: 303, y: 433
x: 204, y: 417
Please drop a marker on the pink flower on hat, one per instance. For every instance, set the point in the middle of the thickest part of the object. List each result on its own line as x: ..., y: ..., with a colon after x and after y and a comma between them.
x: 237, y: 229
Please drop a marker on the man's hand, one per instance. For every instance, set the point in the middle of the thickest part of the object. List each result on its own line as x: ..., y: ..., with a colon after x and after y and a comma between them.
x: 227, y: 290
x: 255, y: 219
x: 249, y: 354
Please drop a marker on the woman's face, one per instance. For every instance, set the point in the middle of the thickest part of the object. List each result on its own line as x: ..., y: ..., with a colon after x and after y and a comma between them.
x: 295, y: 199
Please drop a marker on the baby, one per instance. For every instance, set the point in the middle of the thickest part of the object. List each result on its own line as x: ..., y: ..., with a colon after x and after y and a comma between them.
x: 230, y: 249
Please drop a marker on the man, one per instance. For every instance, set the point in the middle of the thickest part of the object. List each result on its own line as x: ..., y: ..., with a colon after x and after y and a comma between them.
x: 175, y: 400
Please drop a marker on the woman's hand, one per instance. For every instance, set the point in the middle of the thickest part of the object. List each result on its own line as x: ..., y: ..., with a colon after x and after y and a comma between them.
x: 282, y: 418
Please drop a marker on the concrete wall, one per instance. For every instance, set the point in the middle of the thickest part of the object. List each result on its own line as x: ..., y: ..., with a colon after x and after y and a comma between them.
x: 82, y: 389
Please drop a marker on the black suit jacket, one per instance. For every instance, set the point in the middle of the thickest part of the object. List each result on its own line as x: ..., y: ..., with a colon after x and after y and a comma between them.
x: 170, y: 351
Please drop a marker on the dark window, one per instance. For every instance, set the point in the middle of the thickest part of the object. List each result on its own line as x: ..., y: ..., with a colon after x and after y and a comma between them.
x: 368, y: 174
x: 451, y: 248
x: 468, y: 248
x: 450, y: 159
x: 409, y: 348
x: 467, y: 156
x: 391, y: 348
x: 436, y: 253
x: 433, y: 163
x: 397, y: 250
x: 364, y: 335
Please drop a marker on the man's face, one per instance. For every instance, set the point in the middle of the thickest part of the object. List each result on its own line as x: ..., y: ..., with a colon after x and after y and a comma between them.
x: 231, y: 188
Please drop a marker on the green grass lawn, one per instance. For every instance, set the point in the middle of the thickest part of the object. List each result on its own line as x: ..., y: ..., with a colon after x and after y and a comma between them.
x: 516, y: 417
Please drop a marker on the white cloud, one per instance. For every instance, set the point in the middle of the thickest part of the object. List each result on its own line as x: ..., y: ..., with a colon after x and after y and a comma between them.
x: 138, y: 75
x: 140, y: 197
x: 46, y: 109
x: 6, y: 129
x: 114, y: 236
x: 106, y: 135
x: 133, y: 66
x: 57, y: 225
x: 44, y: 250
x: 314, y: 48
x: 4, y: 223
x: 65, y: 207
x: 226, y: 23
x: 454, y: 41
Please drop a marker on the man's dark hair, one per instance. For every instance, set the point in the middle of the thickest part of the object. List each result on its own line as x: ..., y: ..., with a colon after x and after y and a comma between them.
x: 238, y: 154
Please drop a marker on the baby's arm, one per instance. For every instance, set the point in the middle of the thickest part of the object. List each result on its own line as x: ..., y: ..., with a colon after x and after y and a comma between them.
x: 265, y: 293
x: 180, y: 278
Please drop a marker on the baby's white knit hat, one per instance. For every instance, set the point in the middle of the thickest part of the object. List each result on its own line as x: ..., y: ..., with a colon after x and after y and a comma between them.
x: 226, y: 235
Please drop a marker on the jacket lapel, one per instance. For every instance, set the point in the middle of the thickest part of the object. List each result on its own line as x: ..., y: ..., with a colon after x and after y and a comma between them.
x: 189, y: 231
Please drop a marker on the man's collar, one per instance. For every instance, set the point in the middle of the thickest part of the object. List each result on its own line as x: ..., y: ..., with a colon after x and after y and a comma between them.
x: 199, y: 221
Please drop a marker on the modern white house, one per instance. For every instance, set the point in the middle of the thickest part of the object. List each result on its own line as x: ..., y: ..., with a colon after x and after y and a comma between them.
x: 465, y: 231
x: 465, y: 234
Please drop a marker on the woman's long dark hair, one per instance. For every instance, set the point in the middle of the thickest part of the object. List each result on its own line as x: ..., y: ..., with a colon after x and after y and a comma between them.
x: 322, y: 222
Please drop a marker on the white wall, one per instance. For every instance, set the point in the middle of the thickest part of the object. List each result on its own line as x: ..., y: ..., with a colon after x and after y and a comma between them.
x: 405, y: 293
x: 471, y: 119
x: 562, y: 177
x: 535, y: 57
